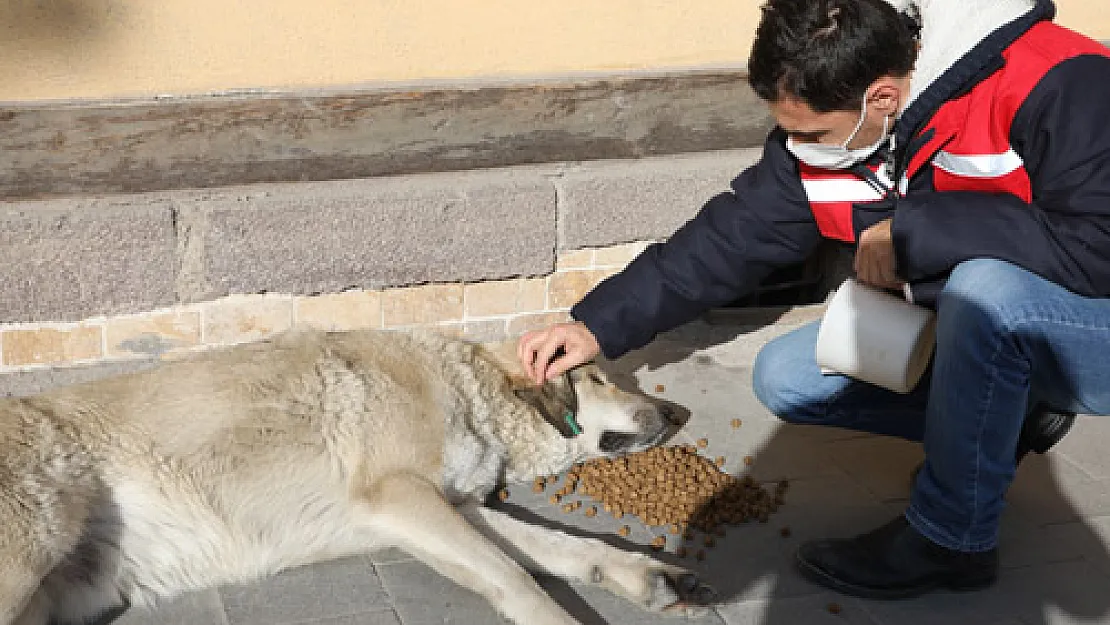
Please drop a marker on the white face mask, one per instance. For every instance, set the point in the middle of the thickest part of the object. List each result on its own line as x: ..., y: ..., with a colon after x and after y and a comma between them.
x: 826, y: 156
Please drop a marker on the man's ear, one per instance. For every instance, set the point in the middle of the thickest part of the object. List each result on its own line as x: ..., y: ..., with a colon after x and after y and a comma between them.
x: 886, y: 95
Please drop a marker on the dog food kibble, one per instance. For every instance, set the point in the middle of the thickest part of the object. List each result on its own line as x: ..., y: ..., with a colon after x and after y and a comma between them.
x: 568, y: 507
x: 834, y: 608
x: 674, y: 488
x: 659, y: 543
x: 591, y: 511
x: 624, y: 531
x: 537, y: 488
x: 749, y: 461
x: 554, y: 499
x: 659, y: 388
x: 503, y: 495
x: 703, y: 442
x: 720, y: 461
x: 737, y: 423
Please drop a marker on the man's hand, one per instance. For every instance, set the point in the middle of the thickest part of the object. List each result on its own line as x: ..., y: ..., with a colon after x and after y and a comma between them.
x: 537, y: 348
x: 875, y: 260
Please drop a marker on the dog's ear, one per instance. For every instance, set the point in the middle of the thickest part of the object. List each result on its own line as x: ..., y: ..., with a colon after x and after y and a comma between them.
x: 554, y: 400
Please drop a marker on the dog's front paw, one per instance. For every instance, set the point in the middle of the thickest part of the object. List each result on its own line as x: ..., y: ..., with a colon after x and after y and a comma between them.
x: 679, y: 592
x: 658, y: 587
x: 693, y: 596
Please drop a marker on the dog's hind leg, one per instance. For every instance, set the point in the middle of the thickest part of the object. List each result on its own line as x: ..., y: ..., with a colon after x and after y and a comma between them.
x: 656, y: 586
x: 412, y: 512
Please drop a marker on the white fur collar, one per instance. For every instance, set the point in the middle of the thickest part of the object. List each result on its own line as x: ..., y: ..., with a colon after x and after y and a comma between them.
x: 951, y: 28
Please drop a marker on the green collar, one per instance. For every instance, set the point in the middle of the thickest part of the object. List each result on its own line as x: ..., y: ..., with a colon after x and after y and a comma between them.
x: 572, y: 423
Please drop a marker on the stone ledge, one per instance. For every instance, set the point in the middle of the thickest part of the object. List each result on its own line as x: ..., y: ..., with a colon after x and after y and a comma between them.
x: 93, y: 147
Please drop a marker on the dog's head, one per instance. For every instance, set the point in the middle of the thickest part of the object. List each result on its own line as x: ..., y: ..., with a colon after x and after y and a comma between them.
x: 582, y: 404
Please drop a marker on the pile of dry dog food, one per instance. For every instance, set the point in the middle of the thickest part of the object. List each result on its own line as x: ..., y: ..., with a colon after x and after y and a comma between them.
x: 672, y: 487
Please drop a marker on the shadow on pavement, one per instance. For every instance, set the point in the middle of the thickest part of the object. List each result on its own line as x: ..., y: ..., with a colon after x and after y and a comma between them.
x: 1055, y: 565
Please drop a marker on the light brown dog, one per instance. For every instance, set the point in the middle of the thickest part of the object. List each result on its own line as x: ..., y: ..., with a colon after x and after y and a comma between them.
x: 234, y: 464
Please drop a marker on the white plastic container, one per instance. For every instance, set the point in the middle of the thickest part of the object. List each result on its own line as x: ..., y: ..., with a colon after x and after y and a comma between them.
x: 870, y: 335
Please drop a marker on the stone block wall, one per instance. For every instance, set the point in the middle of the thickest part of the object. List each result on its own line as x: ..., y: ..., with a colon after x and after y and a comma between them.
x: 482, y: 311
x: 140, y: 229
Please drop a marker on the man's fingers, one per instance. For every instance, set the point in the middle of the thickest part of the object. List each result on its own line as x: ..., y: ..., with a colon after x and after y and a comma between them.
x: 526, y: 350
x: 559, y: 367
x: 523, y: 349
x: 864, y: 264
x: 575, y: 355
x: 877, y: 270
x: 537, y: 350
x: 544, y: 354
x: 887, y: 274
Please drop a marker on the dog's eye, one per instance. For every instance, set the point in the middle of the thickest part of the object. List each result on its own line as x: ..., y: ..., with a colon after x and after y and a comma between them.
x: 596, y: 379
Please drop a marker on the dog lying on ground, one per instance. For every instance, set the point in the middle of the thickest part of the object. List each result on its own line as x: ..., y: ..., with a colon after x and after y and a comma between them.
x: 230, y: 465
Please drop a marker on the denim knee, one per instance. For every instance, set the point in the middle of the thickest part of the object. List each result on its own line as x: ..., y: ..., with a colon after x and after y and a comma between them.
x: 985, y: 288
x: 780, y: 373
x: 767, y: 381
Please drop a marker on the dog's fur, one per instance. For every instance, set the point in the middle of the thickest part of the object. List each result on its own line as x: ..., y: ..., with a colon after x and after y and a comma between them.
x: 234, y: 464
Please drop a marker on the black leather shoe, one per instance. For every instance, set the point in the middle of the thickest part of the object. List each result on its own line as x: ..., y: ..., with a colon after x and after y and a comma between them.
x: 1042, y: 429
x: 894, y: 562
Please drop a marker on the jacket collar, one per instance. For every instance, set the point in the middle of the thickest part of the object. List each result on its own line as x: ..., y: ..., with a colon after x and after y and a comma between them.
x: 982, y: 60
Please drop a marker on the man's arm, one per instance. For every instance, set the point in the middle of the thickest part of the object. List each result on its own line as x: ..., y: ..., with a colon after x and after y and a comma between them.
x: 1062, y: 132
x: 721, y: 254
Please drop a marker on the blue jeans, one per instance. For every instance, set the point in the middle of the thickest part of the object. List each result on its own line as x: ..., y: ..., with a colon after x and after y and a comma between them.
x: 1006, y: 340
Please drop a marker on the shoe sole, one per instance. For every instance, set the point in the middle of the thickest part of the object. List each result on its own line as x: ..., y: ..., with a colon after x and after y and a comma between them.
x: 821, y: 577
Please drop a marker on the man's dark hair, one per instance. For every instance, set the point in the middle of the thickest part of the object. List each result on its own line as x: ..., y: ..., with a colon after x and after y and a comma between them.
x: 827, y: 52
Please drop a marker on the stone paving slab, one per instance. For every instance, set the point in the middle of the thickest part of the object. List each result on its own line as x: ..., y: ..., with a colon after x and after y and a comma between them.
x: 1056, y: 564
x: 1088, y: 452
x: 339, y: 589
x: 421, y: 596
x: 1064, y: 592
x: 823, y: 608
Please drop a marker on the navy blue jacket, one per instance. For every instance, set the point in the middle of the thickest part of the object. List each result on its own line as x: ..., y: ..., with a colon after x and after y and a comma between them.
x: 1061, y: 131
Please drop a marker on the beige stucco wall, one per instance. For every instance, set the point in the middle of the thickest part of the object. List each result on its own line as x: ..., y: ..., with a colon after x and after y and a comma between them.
x: 102, y: 48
